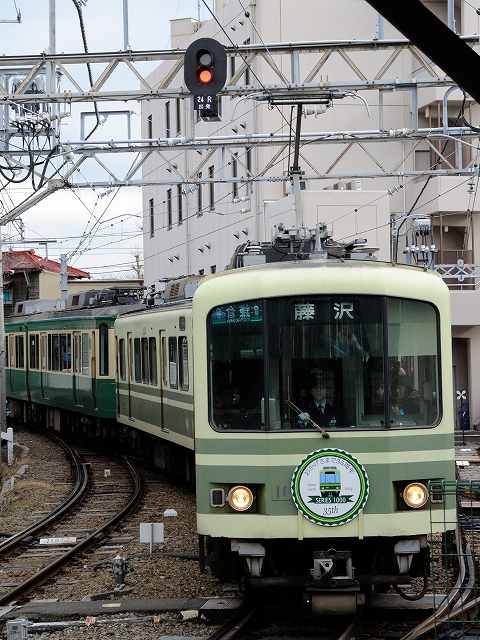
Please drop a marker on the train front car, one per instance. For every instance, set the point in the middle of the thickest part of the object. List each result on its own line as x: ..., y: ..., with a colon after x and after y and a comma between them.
x: 323, y: 409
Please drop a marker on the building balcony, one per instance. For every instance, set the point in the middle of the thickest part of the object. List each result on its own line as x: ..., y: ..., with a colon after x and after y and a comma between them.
x: 460, y: 275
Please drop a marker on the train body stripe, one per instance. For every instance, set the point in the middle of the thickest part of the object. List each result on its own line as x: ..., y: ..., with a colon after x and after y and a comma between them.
x: 275, y: 460
x: 277, y: 443
x: 258, y: 526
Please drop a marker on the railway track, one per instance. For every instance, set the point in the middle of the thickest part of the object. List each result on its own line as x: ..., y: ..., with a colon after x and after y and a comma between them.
x: 80, y: 479
x: 252, y: 624
x: 104, y: 493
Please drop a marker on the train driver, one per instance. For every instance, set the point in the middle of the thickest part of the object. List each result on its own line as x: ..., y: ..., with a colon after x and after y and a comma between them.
x: 317, y: 408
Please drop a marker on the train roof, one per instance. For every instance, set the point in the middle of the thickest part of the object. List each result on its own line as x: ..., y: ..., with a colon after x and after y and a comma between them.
x: 87, y: 313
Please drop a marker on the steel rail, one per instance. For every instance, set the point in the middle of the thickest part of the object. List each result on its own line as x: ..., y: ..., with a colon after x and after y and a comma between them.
x: 81, y: 484
x: 234, y: 625
x: 454, y: 602
x: 44, y: 573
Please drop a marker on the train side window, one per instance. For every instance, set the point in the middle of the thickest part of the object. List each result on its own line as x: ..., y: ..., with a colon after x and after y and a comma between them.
x: 121, y: 359
x: 77, y: 352
x: 137, y: 360
x: 34, y: 352
x: 43, y: 352
x: 65, y: 352
x: 183, y: 362
x: 145, y: 362
x: 164, y: 361
x: 19, y: 352
x: 12, y: 351
x: 172, y: 363
x: 152, y: 352
x: 103, y: 348
x: 85, y: 354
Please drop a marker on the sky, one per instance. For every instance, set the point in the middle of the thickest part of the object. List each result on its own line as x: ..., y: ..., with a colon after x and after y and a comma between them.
x: 66, y: 215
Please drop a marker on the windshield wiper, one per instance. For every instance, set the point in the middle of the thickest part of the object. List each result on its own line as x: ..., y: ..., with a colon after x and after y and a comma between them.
x: 324, y: 433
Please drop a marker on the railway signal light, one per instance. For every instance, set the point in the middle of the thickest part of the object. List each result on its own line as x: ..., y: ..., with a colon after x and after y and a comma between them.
x: 205, y: 69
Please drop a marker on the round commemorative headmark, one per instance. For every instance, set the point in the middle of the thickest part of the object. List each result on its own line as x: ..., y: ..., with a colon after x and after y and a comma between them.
x: 330, y: 487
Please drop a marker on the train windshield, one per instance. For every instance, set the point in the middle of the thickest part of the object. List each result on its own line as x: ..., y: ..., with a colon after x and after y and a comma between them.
x: 328, y: 362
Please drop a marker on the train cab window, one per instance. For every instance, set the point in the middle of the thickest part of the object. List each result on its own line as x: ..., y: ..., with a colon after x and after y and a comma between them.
x: 183, y: 362
x: 137, y: 357
x: 152, y: 356
x: 86, y: 354
x: 34, y: 351
x: 19, y: 352
x: 103, y: 350
x: 413, y: 363
x: 121, y: 359
x: 236, y: 371
x: 325, y: 362
x: 334, y: 362
x: 172, y: 363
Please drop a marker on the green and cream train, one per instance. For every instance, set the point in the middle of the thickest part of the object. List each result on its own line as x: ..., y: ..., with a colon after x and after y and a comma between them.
x: 314, y: 397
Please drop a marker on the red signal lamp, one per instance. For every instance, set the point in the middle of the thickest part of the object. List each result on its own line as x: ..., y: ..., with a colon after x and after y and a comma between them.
x: 205, y: 76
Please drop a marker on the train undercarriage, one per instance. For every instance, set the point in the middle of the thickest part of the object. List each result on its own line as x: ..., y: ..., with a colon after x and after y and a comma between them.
x: 330, y: 576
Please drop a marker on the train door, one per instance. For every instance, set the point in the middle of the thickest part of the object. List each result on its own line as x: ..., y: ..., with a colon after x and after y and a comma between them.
x: 130, y: 372
x: 163, y: 376
x: 43, y: 364
x: 77, y: 365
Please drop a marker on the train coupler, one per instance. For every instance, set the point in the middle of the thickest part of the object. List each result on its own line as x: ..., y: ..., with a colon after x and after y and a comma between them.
x: 333, y: 568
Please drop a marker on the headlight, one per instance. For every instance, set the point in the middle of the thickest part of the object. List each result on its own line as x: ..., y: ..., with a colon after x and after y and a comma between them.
x: 240, y: 498
x: 415, y: 495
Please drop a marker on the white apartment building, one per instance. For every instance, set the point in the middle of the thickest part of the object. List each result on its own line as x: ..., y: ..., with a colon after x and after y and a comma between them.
x: 195, y: 230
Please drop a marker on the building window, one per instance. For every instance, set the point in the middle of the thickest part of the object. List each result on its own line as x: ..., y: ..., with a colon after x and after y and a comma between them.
x: 151, y: 207
x: 104, y: 351
x: 167, y: 119
x: 234, y: 174
x: 180, y: 203
x: 178, y: 113
x: 213, y: 268
x: 211, y: 188
x: 183, y: 362
x: 150, y: 126
x: 248, y: 160
x: 172, y: 363
x: 169, y: 209
x: 201, y: 272
x: 247, y: 70
x: 199, y: 195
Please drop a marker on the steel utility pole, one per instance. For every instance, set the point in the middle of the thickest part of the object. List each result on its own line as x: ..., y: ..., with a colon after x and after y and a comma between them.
x: 3, y: 391
x: 126, y: 44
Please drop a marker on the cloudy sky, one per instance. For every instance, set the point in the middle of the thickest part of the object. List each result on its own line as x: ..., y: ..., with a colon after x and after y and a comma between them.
x: 66, y: 215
